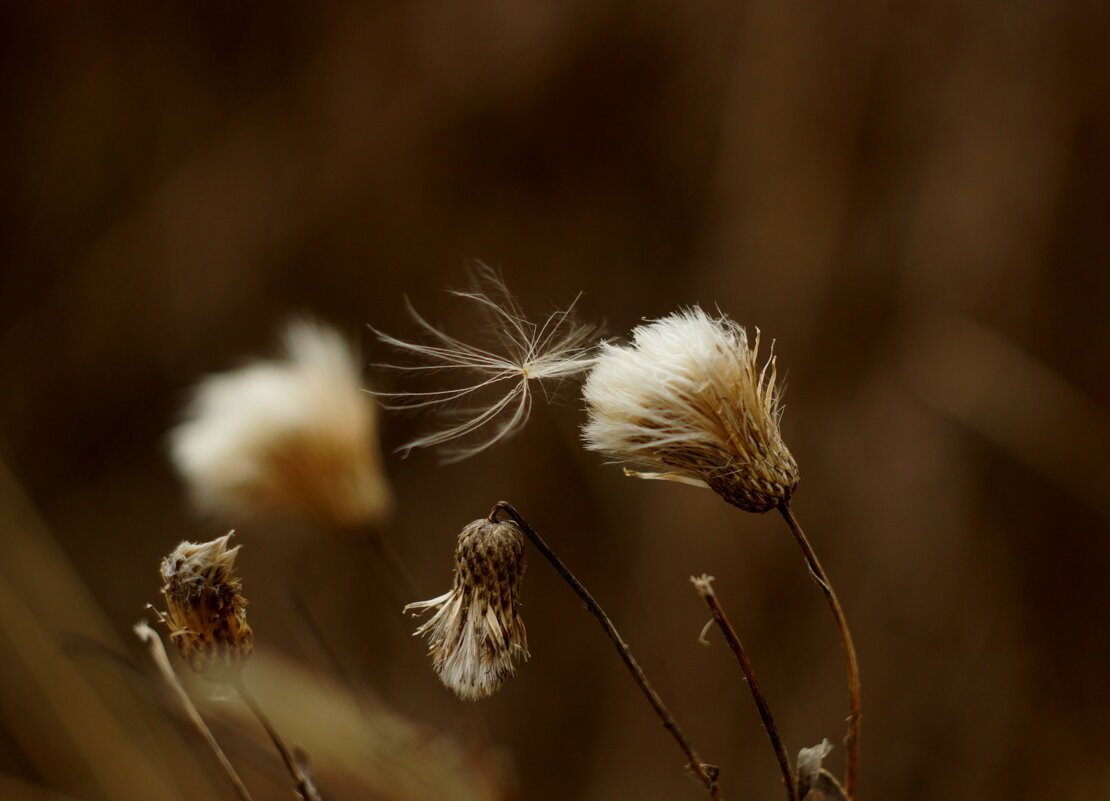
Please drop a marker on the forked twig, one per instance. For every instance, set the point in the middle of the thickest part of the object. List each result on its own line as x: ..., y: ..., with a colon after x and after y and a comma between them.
x: 149, y: 636
x: 704, y: 588
x: 705, y: 772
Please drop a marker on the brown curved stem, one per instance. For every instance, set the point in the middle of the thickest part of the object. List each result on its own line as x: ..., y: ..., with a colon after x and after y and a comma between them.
x: 704, y: 587
x: 705, y: 772
x: 851, y: 741
x: 162, y: 661
x: 306, y: 788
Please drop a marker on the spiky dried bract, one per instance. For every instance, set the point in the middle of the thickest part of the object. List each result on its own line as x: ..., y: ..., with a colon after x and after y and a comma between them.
x: 689, y: 399
x: 291, y: 435
x: 558, y: 348
x: 205, y: 608
x: 477, y: 634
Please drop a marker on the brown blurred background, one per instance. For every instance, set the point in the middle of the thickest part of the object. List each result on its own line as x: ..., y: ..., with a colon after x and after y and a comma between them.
x: 910, y: 198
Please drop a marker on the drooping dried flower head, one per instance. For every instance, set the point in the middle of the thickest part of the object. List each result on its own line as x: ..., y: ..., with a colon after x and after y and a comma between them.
x: 557, y: 349
x: 689, y: 400
x: 476, y: 634
x: 205, y: 608
x: 293, y: 435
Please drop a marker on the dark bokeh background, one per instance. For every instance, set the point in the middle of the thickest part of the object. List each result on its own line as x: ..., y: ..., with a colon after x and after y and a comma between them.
x: 911, y: 199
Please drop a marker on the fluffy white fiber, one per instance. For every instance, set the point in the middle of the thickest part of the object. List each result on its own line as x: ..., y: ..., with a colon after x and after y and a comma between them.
x: 528, y: 352
x: 295, y: 434
x: 688, y: 399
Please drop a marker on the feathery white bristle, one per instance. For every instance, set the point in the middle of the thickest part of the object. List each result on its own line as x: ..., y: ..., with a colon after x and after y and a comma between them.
x: 556, y: 349
x: 191, y: 563
x: 474, y: 651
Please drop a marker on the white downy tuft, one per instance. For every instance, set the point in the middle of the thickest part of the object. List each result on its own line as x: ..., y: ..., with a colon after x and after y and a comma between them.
x: 294, y: 435
x: 556, y: 349
x: 688, y: 400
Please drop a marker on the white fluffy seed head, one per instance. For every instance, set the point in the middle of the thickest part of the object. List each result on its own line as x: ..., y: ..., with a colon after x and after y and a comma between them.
x: 477, y: 634
x: 291, y: 435
x: 689, y: 400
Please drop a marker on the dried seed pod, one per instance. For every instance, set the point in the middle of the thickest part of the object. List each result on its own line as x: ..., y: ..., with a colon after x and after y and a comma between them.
x: 689, y: 399
x: 205, y: 608
x: 476, y: 634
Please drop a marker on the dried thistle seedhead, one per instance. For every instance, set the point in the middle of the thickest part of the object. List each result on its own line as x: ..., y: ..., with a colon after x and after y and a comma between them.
x: 689, y: 399
x: 205, y: 608
x: 558, y: 348
x: 293, y: 435
x: 476, y: 634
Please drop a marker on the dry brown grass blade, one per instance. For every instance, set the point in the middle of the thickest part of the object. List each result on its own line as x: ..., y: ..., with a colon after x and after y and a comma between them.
x: 70, y: 722
x: 73, y: 723
x: 985, y: 382
x: 358, y: 750
x: 13, y: 788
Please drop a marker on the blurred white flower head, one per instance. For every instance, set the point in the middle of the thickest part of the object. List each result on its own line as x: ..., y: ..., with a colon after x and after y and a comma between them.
x: 558, y: 348
x: 293, y: 435
x: 689, y: 400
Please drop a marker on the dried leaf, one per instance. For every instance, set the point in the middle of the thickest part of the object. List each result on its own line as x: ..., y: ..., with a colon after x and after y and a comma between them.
x: 814, y: 782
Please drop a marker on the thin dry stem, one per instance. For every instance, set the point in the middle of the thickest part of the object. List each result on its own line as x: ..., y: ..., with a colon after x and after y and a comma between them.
x: 390, y: 570
x: 316, y: 631
x: 162, y: 661
x: 390, y: 564
x: 705, y: 772
x: 306, y: 787
x: 704, y: 587
x: 851, y: 740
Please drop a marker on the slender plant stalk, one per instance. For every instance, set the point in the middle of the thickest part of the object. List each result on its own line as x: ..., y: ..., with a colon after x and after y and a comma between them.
x: 162, y: 661
x: 312, y: 625
x: 305, y: 785
x: 705, y: 772
x: 391, y: 563
x: 704, y: 587
x: 851, y: 741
